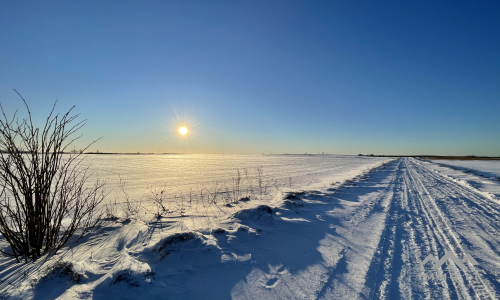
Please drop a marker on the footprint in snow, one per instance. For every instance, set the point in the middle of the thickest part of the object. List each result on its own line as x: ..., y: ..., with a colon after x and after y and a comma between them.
x: 271, y: 283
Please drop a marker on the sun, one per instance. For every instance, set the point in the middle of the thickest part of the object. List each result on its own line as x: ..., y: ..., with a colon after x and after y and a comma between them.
x: 183, y: 130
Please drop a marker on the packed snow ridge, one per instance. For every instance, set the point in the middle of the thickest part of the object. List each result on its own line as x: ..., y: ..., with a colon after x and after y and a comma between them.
x: 403, y: 230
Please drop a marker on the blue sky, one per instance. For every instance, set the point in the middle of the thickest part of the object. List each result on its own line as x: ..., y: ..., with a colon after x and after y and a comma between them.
x: 341, y: 77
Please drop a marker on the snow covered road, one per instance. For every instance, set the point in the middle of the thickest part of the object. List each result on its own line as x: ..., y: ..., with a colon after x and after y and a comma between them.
x: 384, y: 228
x: 431, y: 214
x: 365, y: 240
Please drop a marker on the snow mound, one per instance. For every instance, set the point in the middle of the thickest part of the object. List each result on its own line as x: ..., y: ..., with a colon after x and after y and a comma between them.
x: 289, y: 204
x: 292, y: 201
x: 293, y: 196
x: 261, y: 212
x: 218, y: 230
x: 62, y: 271
x: 131, y: 278
x: 174, y: 242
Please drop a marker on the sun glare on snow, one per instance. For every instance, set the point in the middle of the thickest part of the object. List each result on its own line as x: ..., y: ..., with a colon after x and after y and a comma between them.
x: 183, y: 130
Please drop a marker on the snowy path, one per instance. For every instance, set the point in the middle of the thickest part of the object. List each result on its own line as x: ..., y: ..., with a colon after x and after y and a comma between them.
x: 366, y: 240
x: 374, y: 247
x: 430, y: 214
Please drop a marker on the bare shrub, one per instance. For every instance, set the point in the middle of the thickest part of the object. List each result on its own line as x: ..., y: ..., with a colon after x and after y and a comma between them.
x: 158, y: 197
x: 45, y: 198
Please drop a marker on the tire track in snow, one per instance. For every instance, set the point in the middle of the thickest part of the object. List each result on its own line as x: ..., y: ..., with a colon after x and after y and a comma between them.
x: 445, y: 240
x: 415, y: 227
x: 397, y: 275
x: 458, y: 218
x: 425, y: 240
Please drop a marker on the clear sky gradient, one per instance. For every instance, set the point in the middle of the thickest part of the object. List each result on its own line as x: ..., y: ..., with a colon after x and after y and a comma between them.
x: 347, y: 77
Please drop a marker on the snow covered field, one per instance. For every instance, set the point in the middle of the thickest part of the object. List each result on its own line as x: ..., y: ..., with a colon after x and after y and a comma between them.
x: 487, y: 168
x: 206, y: 185
x: 182, y: 173
x: 363, y: 239
x: 482, y: 175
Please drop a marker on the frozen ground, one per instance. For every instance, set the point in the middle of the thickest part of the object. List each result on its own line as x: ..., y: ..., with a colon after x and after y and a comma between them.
x: 363, y: 239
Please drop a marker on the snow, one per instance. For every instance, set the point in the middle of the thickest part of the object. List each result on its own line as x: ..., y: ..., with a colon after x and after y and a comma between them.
x: 481, y: 175
x: 487, y: 168
x: 364, y: 238
x: 185, y: 173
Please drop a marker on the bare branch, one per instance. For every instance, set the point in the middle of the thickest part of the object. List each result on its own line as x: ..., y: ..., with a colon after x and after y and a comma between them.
x: 41, y: 187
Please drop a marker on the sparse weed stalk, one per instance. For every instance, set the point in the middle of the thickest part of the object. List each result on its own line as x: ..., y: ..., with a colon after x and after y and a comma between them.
x: 220, y: 193
x: 228, y: 197
x: 110, y: 210
x: 214, y: 193
x: 234, y: 196
x: 275, y: 184
x: 260, y: 179
x: 238, y: 184
x: 205, y: 208
x: 130, y: 209
x: 180, y: 205
x: 249, y: 184
x: 182, y: 211
x: 190, y: 198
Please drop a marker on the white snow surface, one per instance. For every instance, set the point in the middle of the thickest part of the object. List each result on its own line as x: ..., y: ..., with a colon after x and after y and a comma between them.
x: 362, y: 239
x: 482, y: 175
x: 487, y: 168
x: 185, y: 173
